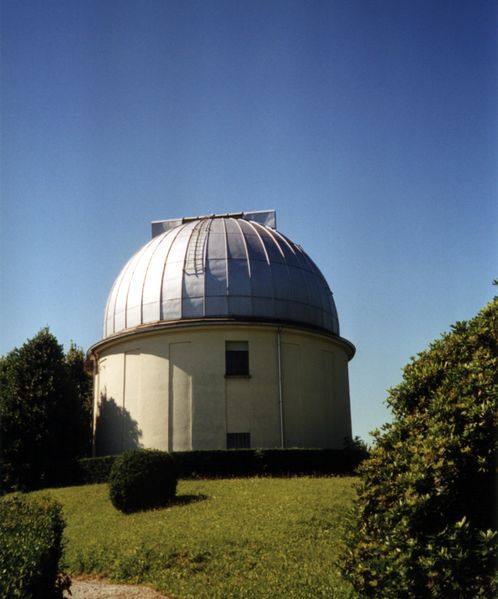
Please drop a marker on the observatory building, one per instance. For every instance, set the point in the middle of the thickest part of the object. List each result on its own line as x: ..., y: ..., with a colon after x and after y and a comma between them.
x: 220, y: 333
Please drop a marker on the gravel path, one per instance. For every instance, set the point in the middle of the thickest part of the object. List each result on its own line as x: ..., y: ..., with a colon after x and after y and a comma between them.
x: 97, y: 588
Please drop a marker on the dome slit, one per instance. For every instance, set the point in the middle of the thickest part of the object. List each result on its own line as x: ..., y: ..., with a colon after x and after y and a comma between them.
x: 209, y: 222
x: 193, y: 272
x: 226, y: 259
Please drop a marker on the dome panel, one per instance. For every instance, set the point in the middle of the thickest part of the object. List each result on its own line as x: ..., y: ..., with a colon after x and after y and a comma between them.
x: 261, y: 280
x: 223, y: 267
x: 153, y: 280
x: 215, y: 277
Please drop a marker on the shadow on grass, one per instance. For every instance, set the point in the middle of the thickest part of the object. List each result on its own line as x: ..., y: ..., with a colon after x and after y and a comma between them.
x: 187, y: 499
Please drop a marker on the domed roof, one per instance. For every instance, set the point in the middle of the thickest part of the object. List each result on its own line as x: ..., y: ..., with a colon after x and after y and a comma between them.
x: 220, y: 267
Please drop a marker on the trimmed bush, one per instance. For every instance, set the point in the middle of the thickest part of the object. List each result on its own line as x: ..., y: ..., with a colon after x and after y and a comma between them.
x: 30, y: 548
x: 142, y: 479
x: 425, y: 520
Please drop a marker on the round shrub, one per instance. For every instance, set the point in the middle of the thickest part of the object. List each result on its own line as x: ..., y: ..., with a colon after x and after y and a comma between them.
x: 425, y: 519
x: 142, y: 479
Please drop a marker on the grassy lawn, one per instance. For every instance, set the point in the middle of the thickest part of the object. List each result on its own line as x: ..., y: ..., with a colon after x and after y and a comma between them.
x: 254, y: 538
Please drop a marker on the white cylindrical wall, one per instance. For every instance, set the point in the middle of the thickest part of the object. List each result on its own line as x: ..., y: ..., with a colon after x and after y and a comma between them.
x: 168, y: 390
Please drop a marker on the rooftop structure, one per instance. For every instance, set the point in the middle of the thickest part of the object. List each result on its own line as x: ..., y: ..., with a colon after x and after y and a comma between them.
x: 235, y: 266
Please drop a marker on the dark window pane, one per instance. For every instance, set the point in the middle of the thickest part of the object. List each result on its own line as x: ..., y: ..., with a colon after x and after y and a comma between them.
x: 237, y: 358
x: 237, y: 362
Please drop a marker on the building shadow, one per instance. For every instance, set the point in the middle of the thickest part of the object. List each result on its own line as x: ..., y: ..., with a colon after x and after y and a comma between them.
x: 115, y: 429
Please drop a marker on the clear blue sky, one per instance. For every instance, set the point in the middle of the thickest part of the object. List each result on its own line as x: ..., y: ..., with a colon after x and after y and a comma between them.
x: 370, y: 126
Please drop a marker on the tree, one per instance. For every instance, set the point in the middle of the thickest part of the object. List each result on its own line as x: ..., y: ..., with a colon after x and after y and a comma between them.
x: 424, y: 524
x: 81, y: 385
x: 43, y: 420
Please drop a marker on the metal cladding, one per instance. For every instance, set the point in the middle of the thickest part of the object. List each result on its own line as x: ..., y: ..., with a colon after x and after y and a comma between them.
x: 220, y: 267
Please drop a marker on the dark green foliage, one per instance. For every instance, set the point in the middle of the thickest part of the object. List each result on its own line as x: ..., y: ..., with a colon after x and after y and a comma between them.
x: 44, y: 412
x: 142, y: 479
x: 268, y: 462
x: 94, y: 470
x: 425, y: 520
x: 85, y: 471
x: 242, y: 462
x: 81, y: 400
x: 30, y: 548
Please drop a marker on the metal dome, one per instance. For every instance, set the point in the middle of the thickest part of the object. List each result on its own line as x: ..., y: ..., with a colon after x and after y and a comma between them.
x: 220, y: 267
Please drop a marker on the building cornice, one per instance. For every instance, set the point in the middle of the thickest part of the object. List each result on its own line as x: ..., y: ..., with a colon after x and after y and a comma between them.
x: 156, y: 328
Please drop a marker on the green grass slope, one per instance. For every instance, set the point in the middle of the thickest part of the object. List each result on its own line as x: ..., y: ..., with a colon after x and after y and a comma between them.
x: 253, y: 538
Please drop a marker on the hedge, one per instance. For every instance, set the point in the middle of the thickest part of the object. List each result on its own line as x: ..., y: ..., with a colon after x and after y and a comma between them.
x: 242, y: 462
x: 95, y: 470
x: 30, y: 548
x: 142, y: 479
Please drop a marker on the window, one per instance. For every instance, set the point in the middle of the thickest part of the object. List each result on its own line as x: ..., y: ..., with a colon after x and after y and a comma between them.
x: 237, y: 358
x: 238, y: 440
